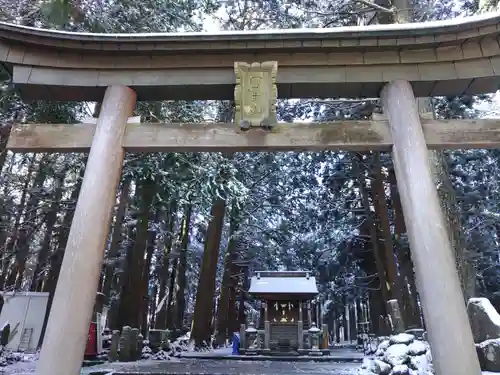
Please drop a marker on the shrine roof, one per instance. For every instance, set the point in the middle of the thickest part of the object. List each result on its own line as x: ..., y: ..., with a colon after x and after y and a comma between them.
x: 297, y: 282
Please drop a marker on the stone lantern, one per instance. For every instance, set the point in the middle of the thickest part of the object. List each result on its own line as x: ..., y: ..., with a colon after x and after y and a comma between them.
x: 314, y: 332
x: 251, y: 335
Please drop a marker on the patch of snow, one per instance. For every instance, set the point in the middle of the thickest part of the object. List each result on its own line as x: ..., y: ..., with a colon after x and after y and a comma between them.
x: 400, y: 370
x: 402, y: 338
x: 384, y: 344
x: 367, y: 362
x: 485, y: 305
x: 160, y: 356
x: 421, y: 364
x: 381, y: 367
x: 417, y: 347
x: 396, y: 354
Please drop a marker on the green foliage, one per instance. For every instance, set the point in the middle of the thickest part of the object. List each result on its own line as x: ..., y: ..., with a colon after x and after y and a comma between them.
x: 57, y: 12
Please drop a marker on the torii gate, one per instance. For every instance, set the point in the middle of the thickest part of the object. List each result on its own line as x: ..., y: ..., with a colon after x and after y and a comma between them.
x: 395, y: 62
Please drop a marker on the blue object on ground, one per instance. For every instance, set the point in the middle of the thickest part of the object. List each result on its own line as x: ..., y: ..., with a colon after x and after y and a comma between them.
x: 236, y: 343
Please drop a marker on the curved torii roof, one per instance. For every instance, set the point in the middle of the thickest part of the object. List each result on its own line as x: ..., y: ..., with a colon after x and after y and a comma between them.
x: 439, y: 58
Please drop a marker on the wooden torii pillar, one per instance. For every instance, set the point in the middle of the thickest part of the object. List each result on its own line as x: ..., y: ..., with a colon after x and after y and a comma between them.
x: 450, y: 335
x: 68, y: 324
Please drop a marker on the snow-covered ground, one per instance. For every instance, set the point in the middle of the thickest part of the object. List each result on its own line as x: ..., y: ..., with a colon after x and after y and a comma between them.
x: 28, y: 366
x: 385, y: 353
x: 227, y: 351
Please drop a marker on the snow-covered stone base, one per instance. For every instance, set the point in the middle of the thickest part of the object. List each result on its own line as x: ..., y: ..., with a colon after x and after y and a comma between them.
x: 485, y: 324
x: 484, y: 319
x: 399, y: 355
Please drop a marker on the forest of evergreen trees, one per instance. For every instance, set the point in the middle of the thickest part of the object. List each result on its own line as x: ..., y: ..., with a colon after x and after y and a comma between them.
x: 184, y: 222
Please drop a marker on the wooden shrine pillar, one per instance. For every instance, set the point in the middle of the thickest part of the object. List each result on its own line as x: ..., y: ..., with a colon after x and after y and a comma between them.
x: 267, y: 326
x: 300, y: 327
x: 450, y: 335
x: 356, y: 319
x: 68, y: 324
x: 318, y: 313
x: 347, y: 328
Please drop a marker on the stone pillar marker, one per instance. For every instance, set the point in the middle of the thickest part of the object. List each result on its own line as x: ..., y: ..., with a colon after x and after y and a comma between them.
x: 395, y: 314
x: 449, y: 332
x: 68, y: 324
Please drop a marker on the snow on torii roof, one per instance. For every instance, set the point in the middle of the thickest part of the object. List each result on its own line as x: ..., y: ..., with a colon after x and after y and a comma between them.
x: 278, y: 282
x: 16, y: 32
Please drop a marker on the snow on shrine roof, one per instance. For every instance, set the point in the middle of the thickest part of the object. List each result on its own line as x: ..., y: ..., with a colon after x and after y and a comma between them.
x: 283, y: 283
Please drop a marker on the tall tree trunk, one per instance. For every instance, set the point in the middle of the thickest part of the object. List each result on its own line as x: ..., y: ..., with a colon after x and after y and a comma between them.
x: 170, y: 306
x: 6, y: 278
x: 152, y: 305
x: 180, y: 295
x: 410, y: 295
x: 131, y: 298
x: 380, y: 203
x: 145, y: 279
x: 345, y: 330
x: 206, y: 286
x: 115, y: 320
x: 223, y: 311
x: 161, y: 319
x: 116, y: 240
x: 28, y: 225
x: 4, y: 138
x: 245, y: 285
x: 172, y: 322
x: 57, y: 256
x: 449, y: 205
x: 50, y: 222
x: 174, y: 255
x: 233, y: 325
x: 379, y: 261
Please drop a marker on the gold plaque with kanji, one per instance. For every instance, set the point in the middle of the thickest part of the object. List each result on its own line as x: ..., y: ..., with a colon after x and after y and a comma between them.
x: 255, y: 94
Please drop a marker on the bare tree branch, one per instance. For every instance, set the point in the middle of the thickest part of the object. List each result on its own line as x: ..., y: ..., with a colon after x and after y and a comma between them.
x: 375, y: 6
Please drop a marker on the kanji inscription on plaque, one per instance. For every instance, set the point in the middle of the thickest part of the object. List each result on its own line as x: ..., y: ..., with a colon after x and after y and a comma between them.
x: 255, y: 94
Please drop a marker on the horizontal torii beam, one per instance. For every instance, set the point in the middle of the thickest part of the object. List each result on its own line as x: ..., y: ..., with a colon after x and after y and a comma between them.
x: 192, y: 137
